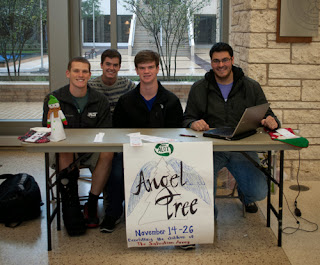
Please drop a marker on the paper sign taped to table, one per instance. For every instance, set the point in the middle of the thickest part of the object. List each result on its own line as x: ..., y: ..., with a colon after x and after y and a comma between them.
x: 169, y: 194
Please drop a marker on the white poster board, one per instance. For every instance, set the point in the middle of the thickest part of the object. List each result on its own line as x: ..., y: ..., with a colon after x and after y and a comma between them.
x: 169, y: 194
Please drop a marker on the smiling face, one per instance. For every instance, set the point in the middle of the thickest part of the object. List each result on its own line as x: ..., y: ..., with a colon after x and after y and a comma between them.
x: 110, y: 68
x: 221, y: 63
x: 147, y: 72
x: 79, y: 75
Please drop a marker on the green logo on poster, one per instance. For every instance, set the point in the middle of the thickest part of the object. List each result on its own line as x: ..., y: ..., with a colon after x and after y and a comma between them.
x: 163, y: 149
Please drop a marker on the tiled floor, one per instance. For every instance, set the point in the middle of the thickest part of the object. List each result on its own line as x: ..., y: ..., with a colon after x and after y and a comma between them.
x: 20, y: 110
x: 238, y: 240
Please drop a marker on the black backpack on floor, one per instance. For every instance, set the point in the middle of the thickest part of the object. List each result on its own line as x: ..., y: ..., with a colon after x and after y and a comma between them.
x: 20, y: 199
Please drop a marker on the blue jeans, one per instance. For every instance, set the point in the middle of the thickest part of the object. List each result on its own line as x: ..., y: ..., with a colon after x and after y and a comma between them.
x: 115, y: 188
x: 252, y: 183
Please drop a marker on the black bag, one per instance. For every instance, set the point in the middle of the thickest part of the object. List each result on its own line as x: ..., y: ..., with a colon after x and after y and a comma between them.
x: 20, y: 199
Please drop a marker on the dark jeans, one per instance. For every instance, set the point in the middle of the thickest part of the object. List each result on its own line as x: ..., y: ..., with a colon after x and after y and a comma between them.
x: 115, y: 187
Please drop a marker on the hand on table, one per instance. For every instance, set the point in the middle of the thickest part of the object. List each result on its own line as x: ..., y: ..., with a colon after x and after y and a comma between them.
x: 199, y: 125
x: 270, y: 123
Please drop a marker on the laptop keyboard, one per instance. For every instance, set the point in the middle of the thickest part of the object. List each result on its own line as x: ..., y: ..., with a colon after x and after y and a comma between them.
x: 227, y: 131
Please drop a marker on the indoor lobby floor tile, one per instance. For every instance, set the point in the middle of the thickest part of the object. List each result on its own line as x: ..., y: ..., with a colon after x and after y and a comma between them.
x: 21, y: 110
x: 238, y: 239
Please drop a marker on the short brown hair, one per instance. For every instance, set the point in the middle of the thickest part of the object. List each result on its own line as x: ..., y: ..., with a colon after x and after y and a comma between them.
x: 146, y: 56
x: 110, y: 53
x: 80, y: 60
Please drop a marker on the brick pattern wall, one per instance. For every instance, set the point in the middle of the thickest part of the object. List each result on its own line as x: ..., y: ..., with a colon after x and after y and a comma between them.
x: 289, y: 74
x: 23, y: 91
x: 181, y: 89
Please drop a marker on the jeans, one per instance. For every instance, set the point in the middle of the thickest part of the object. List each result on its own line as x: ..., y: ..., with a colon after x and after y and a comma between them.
x: 252, y: 183
x: 115, y: 188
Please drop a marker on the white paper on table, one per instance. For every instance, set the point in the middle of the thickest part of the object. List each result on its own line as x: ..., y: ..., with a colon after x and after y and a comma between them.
x: 134, y: 134
x: 135, y: 141
x: 35, y: 137
x: 287, y: 134
x: 155, y: 139
x: 99, y: 137
x: 41, y: 129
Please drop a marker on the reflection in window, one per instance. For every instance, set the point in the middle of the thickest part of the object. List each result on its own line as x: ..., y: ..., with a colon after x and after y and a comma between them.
x: 102, y: 28
x: 205, y: 29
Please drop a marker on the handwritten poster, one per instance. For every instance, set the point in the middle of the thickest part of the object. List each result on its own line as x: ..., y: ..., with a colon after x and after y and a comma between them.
x: 169, y: 194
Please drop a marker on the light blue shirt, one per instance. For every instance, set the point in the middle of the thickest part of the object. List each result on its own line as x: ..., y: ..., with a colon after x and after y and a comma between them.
x: 225, y: 90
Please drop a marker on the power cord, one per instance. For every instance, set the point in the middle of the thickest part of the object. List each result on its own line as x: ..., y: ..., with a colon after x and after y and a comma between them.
x: 295, y: 229
x: 297, y: 212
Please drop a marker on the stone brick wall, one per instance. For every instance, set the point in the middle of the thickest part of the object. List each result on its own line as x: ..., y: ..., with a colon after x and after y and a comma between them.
x: 36, y: 91
x: 23, y: 91
x: 289, y: 74
x: 181, y: 89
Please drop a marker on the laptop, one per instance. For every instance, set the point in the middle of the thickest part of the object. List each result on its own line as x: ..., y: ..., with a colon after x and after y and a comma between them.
x: 247, y: 125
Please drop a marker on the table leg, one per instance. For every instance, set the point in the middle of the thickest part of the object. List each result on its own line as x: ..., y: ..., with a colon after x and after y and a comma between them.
x: 269, y: 191
x: 280, y: 199
x: 48, y: 201
x: 58, y: 193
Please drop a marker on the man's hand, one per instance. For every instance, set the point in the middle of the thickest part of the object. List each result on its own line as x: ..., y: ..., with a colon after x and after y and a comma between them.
x: 199, y: 125
x: 270, y: 123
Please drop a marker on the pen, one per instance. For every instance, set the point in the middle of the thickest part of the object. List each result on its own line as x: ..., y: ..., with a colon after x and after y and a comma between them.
x: 188, y: 135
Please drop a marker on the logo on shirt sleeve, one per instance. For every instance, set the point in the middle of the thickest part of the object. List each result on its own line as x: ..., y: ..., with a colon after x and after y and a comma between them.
x: 92, y: 115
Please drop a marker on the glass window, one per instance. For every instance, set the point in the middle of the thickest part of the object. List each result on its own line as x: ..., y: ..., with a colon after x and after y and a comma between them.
x: 23, y: 41
x: 102, y: 28
x: 205, y: 29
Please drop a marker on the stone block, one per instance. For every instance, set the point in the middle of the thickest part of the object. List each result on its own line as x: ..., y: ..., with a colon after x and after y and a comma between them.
x: 283, y: 82
x: 306, y: 53
x: 310, y: 90
x: 240, y: 40
x: 263, y: 21
x: 282, y: 93
x: 238, y: 7
x: 272, y: 44
x: 258, y: 4
x: 309, y: 153
x: 235, y: 20
x: 258, y: 72
x: 291, y: 155
x: 256, y: 40
x: 243, y: 24
x: 238, y: 2
x: 309, y: 170
x: 271, y: 36
x: 309, y: 130
x: 294, y: 105
x: 238, y: 63
x: 269, y: 56
x: 273, y: 4
x: 294, y: 71
x: 300, y: 116
x: 314, y: 141
x: 244, y: 54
